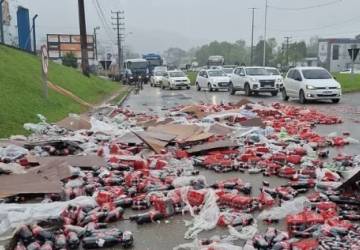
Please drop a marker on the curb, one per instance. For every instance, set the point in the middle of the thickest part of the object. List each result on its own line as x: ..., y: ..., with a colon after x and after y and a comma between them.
x: 120, y: 103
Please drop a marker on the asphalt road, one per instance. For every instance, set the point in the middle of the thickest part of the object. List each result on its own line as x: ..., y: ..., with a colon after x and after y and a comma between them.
x: 170, y: 234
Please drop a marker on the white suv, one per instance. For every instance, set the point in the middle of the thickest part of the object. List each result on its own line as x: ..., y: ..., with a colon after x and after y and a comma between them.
x: 311, y: 83
x: 254, y: 80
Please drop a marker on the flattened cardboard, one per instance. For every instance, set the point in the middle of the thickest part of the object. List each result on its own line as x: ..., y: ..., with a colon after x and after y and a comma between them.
x: 128, y: 138
x: 81, y: 161
x: 199, y: 137
x: 40, y: 180
x: 155, y: 144
x: 219, y: 129
x: 157, y: 135
x: 212, y: 145
x: 253, y: 122
x: 182, y: 132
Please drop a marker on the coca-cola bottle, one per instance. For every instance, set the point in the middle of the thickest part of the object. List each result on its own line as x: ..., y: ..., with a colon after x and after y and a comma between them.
x: 42, y: 234
x: 48, y: 245
x: 25, y: 234
x: 73, y: 240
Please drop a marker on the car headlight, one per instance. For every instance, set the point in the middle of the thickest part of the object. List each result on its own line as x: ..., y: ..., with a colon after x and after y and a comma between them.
x: 279, y: 80
x: 131, y: 77
x: 253, y: 79
x: 139, y: 77
x: 310, y: 87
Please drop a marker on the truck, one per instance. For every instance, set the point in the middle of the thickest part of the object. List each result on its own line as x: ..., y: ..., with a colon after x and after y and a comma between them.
x: 215, y: 61
x: 136, y: 70
x: 154, y: 60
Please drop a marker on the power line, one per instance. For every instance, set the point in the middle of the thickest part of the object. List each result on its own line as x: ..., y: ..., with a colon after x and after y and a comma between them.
x: 318, y: 28
x: 306, y: 7
x: 105, y: 25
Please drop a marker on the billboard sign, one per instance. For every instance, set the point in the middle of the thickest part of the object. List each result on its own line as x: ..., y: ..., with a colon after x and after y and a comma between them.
x: 61, y: 44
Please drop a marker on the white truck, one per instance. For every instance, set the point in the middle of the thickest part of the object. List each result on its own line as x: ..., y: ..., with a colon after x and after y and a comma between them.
x: 254, y: 80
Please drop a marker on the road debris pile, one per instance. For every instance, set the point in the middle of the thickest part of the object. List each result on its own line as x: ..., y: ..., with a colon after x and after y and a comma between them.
x: 89, y: 172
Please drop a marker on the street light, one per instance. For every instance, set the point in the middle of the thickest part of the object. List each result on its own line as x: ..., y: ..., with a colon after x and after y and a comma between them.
x: 95, y: 42
x: 34, y: 32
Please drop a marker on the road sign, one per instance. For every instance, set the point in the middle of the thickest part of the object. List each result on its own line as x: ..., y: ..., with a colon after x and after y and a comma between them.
x: 44, y: 68
x: 44, y: 59
x: 353, y: 53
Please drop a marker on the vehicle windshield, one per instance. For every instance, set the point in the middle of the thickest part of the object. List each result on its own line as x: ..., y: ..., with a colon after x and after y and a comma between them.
x: 155, y: 62
x: 215, y: 73
x: 159, y: 73
x: 274, y: 72
x: 316, y: 74
x: 137, y: 65
x: 177, y: 74
x: 228, y: 70
x: 256, y: 72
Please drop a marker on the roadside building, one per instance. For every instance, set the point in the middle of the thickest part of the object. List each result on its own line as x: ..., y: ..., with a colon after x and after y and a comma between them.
x: 333, y: 53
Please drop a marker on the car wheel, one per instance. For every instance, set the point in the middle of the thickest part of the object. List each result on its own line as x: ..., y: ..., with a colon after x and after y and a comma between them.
x: 284, y: 95
x: 302, y: 98
x: 209, y: 87
x: 274, y: 93
x: 187, y: 87
x: 198, y: 88
x: 247, y: 90
x: 335, y: 100
x: 231, y: 89
x: 162, y: 86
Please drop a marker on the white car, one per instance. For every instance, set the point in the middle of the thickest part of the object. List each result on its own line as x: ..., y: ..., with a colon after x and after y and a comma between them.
x: 254, y: 80
x: 175, y: 79
x: 157, y: 78
x: 212, y: 79
x: 311, y: 83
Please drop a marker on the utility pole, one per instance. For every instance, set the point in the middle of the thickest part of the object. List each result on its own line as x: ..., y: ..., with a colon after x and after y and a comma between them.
x: 265, y: 30
x: 1, y: 23
x: 119, y: 27
x: 83, y: 39
x: 252, y: 37
x: 95, y: 43
x: 287, y: 50
x: 34, y: 32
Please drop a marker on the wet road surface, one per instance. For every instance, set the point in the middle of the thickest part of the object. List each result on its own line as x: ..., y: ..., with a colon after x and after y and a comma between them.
x: 159, y: 236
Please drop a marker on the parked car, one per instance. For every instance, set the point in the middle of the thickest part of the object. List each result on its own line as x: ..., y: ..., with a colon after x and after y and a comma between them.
x: 311, y: 83
x: 254, y: 80
x: 212, y: 79
x: 175, y: 79
x: 157, y: 79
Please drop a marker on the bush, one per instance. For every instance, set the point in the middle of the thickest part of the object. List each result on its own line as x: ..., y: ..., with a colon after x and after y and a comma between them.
x: 70, y: 60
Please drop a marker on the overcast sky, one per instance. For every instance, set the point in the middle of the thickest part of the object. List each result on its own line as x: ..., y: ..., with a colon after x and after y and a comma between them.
x: 159, y: 24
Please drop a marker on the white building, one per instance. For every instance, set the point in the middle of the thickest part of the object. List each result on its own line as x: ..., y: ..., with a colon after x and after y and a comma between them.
x: 333, y: 53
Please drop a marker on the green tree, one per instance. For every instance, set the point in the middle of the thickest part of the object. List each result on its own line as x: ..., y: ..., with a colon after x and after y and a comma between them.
x: 259, y: 52
x: 233, y: 53
x: 70, y: 60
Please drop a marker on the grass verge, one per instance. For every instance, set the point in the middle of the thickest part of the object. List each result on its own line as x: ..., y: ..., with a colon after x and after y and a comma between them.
x: 192, y: 76
x: 349, y: 83
x: 21, y: 93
